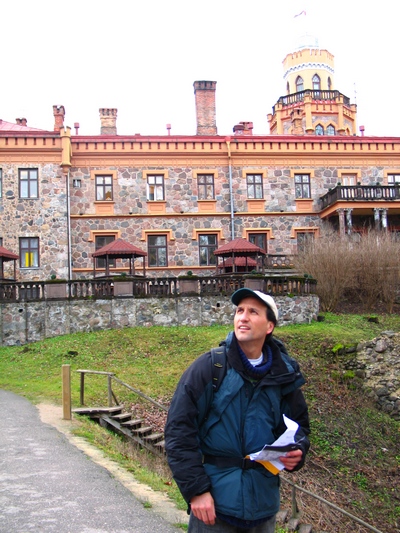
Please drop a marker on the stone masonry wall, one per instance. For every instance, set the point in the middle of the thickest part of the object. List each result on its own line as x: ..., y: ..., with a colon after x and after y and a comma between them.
x: 30, y: 322
x: 377, y: 362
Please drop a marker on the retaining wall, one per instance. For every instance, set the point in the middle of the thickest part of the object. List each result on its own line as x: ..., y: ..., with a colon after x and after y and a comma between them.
x: 22, y: 323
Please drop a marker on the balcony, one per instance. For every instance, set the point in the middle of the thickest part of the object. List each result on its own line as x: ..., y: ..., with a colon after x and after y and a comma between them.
x: 360, y: 193
x: 316, y: 95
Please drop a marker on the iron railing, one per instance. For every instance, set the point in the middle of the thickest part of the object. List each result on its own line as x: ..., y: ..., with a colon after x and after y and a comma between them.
x: 316, y: 95
x: 360, y: 193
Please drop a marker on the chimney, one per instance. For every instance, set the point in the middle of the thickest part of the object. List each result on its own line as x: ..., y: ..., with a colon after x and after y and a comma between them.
x: 59, y: 113
x: 108, y: 119
x: 204, y: 92
x: 243, y: 128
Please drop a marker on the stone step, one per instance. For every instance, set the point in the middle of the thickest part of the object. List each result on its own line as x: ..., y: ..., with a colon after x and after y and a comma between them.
x: 305, y: 528
x: 154, y: 438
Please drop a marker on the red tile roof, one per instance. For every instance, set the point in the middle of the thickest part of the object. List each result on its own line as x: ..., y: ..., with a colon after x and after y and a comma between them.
x: 10, y: 126
x: 6, y: 255
x: 239, y: 246
x: 119, y: 248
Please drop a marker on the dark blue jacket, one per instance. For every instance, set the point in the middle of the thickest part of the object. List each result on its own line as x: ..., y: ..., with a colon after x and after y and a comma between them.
x: 239, y: 419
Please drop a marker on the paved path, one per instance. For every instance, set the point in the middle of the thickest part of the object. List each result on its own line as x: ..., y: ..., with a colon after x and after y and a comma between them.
x: 49, y: 485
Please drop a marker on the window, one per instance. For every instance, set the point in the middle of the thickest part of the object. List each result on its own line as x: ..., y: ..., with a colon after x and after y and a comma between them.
x: 207, y: 246
x: 287, y: 88
x: 100, y: 241
x: 304, y: 240
x: 76, y: 183
x: 316, y: 82
x: 1, y: 241
x: 348, y: 179
x: 330, y: 130
x: 319, y: 130
x: 104, y: 188
x: 254, y: 186
x: 302, y: 186
x: 1, y: 183
x: 329, y: 83
x: 393, y: 179
x: 28, y: 183
x: 299, y: 84
x: 205, y: 184
x: 157, y: 250
x: 29, y: 252
x: 259, y: 239
x: 155, y: 187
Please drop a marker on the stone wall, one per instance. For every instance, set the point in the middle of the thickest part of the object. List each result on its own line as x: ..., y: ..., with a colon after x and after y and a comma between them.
x: 22, y: 323
x: 377, y: 363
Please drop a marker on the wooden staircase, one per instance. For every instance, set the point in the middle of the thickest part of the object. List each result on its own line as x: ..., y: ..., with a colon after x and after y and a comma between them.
x: 125, y: 424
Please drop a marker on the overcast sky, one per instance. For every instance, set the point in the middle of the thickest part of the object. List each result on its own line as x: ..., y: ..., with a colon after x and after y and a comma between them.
x: 142, y: 57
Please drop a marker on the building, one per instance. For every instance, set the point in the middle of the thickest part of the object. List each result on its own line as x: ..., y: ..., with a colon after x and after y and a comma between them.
x: 179, y: 197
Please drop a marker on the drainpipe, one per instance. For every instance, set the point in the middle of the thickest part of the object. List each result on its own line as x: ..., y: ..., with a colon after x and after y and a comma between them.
x: 69, y: 227
x: 228, y: 144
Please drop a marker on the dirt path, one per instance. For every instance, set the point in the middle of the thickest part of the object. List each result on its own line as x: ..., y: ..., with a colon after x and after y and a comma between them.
x: 53, y: 415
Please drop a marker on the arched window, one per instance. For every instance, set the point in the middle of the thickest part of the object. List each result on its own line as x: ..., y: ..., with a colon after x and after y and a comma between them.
x: 287, y: 88
x: 299, y: 84
x: 329, y: 83
x: 319, y: 130
x: 316, y: 82
x: 330, y: 130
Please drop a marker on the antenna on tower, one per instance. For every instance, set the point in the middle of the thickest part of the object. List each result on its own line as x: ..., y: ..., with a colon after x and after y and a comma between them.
x: 355, y: 93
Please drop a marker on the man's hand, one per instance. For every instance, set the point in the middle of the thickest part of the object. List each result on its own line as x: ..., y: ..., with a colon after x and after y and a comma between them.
x: 291, y: 459
x: 202, y: 507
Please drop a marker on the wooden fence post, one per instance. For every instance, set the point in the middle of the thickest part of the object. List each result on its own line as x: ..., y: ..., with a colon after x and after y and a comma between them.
x: 66, y: 391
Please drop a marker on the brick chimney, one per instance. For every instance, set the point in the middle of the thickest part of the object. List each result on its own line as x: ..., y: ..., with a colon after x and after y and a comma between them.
x: 204, y: 92
x: 108, y: 119
x: 21, y: 121
x: 59, y: 114
x: 243, y: 128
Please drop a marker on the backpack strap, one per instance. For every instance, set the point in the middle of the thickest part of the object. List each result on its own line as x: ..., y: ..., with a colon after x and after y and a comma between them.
x: 218, y: 359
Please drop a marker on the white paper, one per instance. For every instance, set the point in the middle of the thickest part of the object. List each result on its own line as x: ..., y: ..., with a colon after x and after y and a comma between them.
x: 286, y: 438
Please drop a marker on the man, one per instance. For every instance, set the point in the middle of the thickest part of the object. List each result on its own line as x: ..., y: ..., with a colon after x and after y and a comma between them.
x: 208, y: 434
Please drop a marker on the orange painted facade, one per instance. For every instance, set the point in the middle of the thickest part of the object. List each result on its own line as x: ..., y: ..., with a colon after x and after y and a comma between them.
x: 179, y: 197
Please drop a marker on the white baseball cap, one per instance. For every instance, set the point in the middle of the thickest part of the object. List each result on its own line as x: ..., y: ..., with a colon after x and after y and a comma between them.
x: 266, y: 299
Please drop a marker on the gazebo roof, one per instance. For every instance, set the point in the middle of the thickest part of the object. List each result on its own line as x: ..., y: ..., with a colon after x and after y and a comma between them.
x: 240, y: 261
x: 6, y: 255
x: 119, y: 248
x: 239, y: 247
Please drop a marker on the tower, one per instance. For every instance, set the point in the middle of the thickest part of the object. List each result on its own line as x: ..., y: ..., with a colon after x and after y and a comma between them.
x: 311, y: 105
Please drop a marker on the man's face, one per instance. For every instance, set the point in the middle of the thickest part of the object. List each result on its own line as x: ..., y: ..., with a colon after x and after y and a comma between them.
x: 251, y: 324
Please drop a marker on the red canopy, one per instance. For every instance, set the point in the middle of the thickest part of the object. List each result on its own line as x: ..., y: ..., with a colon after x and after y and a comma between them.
x: 119, y: 249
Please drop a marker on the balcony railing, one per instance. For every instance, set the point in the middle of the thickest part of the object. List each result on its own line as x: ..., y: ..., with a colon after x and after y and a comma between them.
x: 316, y: 95
x: 155, y: 287
x: 360, y: 193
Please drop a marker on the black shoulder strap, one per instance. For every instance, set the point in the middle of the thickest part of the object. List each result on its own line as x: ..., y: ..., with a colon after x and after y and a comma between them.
x: 218, y: 359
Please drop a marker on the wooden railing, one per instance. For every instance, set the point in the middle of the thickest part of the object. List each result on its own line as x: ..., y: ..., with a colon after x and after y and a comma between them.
x: 159, y: 287
x: 363, y: 193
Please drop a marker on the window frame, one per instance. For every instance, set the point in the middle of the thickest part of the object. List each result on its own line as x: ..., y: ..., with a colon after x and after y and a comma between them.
x: 309, y: 237
x: 209, y: 259
x: 154, y: 248
x: 32, y: 249
x: 29, y: 181
x: 106, y: 187
x: 319, y: 129
x: 330, y: 130
x: 101, y: 261
x: 299, y: 84
x: 157, y: 187
x: 303, y: 186
x: 316, y: 82
x: 257, y: 187
x: 257, y: 236
x: 207, y: 188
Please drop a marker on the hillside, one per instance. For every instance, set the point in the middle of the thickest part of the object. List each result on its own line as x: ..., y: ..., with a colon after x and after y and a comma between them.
x: 354, y: 459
